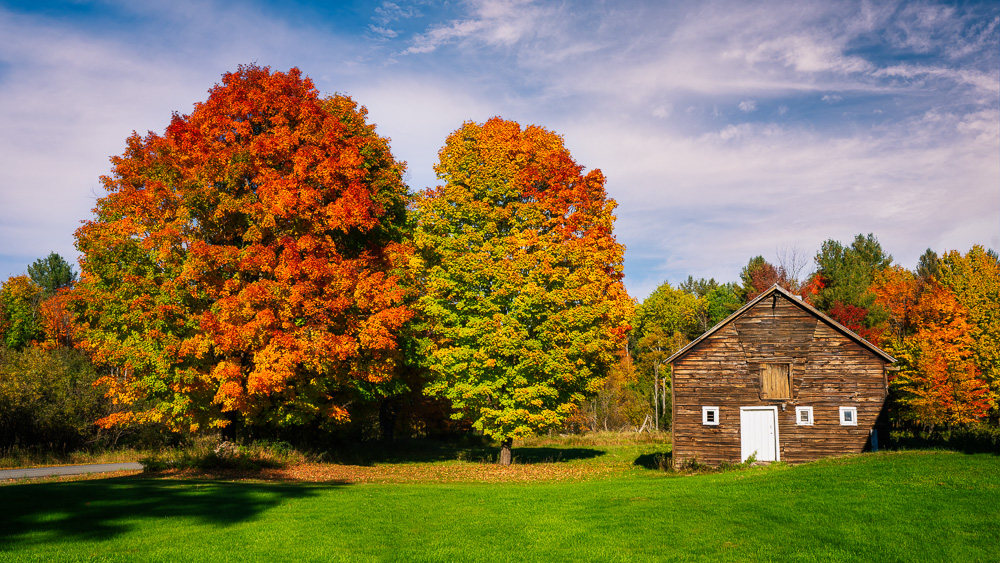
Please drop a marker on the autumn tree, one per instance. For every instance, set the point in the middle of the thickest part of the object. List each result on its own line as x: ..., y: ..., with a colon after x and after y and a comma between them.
x: 716, y: 301
x: 933, y: 332
x: 939, y: 381
x: 897, y: 290
x: 841, y: 284
x: 19, y: 317
x: 665, y: 322
x: 521, y: 280
x: 759, y: 275
x: 974, y: 278
x: 241, y: 268
x: 653, y: 348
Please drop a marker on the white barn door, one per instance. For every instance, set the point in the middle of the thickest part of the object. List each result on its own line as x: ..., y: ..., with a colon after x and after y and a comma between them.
x: 759, y: 433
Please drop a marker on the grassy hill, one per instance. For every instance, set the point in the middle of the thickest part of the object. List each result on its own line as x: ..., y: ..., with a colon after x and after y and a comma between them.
x: 902, y: 506
x: 565, y: 502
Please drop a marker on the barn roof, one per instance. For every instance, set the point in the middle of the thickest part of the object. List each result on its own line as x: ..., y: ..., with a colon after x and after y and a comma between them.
x: 777, y: 289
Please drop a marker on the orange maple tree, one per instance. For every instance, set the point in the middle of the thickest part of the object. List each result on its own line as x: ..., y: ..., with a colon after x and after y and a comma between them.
x: 930, y: 333
x: 242, y: 266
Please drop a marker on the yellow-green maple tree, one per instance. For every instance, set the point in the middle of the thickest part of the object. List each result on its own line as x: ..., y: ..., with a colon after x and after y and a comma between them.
x: 974, y: 278
x: 521, y: 279
x: 242, y: 265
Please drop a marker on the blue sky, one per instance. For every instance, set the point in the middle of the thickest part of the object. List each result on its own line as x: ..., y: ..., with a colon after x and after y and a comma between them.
x: 726, y: 129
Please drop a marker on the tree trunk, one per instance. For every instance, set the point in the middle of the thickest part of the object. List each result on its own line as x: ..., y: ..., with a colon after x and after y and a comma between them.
x: 663, y: 401
x: 656, y: 397
x: 387, y: 413
x: 506, y: 457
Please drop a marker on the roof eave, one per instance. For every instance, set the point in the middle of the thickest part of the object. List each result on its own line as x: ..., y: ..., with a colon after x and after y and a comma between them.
x: 797, y: 301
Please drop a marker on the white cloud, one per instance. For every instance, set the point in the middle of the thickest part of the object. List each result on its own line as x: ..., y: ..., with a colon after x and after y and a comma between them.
x: 913, y: 161
x: 663, y: 110
x: 722, y: 198
x: 493, y: 22
x: 383, y: 31
x: 390, y: 12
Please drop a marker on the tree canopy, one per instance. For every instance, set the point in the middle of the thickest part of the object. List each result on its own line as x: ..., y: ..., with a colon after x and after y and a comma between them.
x: 242, y: 266
x: 521, y: 279
x: 52, y: 273
x: 841, y: 285
x: 19, y: 318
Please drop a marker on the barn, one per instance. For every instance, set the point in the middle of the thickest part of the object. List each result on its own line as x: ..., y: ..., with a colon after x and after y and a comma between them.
x: 778, y: 380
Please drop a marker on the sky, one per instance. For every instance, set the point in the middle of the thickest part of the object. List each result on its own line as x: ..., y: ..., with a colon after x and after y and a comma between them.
x: 726, y: 130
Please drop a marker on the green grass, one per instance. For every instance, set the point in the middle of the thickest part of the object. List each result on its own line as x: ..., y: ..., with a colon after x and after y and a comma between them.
x: 904, y: 506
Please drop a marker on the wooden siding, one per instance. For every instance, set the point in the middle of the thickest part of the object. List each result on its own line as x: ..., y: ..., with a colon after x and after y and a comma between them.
x: 828, y: 370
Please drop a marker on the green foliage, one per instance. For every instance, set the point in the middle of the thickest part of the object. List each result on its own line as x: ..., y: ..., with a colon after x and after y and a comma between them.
x: 665, y: 322
x: 52, y: 273
x: 721, y: 302
x: 846, y: 272
x: 672, y: 311
x: 928, y: 266
x: 520, y: 277
x: 207, y: 455
x: 19, y: 319
x: 619, y: 403
x: 842, y: 282
x: 972, y: 438
x: 700, y: 287
x: 48, y: 400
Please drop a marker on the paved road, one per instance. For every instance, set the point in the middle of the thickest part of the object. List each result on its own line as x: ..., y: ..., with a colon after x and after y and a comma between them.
x: 65, y: 470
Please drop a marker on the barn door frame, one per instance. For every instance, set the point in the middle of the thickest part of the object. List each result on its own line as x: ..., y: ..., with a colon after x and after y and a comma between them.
x: 744, y: 453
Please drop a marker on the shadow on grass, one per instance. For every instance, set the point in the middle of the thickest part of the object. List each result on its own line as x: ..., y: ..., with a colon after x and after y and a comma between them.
x: 976, y: 440
x: 550, y: 455
x: 472, y: 449
x: 659, y: 461
x: 101, y: 509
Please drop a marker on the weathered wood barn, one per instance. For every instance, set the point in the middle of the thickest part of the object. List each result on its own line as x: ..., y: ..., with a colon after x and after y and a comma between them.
x: 779, y: 380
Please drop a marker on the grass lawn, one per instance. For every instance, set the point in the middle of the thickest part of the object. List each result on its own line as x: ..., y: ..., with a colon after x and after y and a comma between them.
x: 904, y: 506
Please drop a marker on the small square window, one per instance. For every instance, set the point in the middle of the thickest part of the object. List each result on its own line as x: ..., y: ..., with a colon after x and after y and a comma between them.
x: 710, y: 416
x: 848, y: 416
x: 804, y: 416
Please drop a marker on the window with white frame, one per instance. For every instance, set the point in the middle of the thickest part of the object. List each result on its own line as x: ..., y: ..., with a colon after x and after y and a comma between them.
x: 848, y: 416
x: 710, y: 416
x: 804, y: 416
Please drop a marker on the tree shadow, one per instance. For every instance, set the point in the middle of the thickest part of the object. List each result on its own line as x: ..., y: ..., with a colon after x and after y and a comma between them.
x: 470, y: 448
x: 101, y: 509
x: 659, y: 461
x: 551, y: 455
x: 966, y: 441
x: 418, y: 450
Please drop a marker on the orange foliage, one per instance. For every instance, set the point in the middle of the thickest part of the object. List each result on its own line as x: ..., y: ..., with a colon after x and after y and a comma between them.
x: 57, y: 320
x: 939, y: 381
x: 244, y: 261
